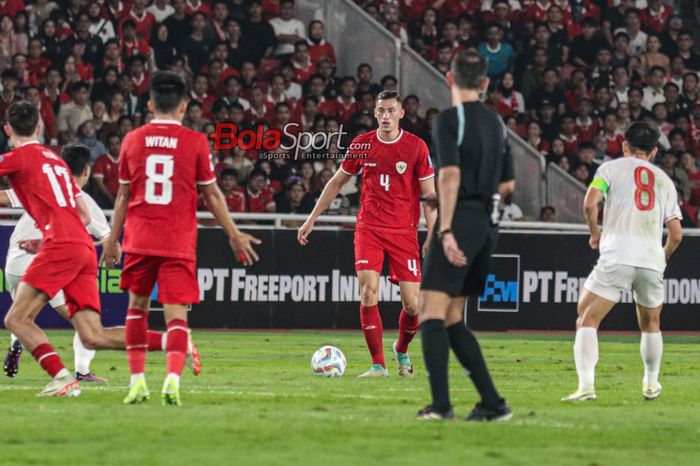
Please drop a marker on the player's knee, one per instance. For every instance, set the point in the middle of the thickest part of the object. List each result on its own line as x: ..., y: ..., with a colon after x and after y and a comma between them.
x: 411, y: 306
x: 10, y: 321
x: 90, y: 340
x: 369, y: 293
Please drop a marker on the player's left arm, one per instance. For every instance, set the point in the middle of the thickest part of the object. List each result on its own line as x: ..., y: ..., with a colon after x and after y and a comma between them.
x: 427, y: 189
x: 590, y: 212
x: 83, y: 210
x: 111, y: 251
x: 672, y: 219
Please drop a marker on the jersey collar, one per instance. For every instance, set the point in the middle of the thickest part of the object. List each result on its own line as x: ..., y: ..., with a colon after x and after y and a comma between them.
x: 166, y: 122
x: 389, y: 142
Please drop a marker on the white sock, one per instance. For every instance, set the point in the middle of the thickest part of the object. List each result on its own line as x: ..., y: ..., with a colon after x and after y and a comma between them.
x: 175, y: 377
x: 164, y: 340
x: 62, y: 374
x: 651, y: 348
x: 83, y: 356
x: 586, y: 347
x: 13, y: 339
x: 135, y: 378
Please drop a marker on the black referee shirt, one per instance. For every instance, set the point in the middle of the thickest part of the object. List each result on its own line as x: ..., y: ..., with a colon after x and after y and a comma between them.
x: 474, y: 138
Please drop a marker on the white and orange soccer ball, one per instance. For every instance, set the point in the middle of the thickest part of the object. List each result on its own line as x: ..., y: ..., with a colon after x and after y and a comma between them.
x: 328, y: 361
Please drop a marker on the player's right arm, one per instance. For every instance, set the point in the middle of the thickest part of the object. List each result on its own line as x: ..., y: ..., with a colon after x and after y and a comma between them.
x: 597, y: 190
x: 241, y: 243
x: 111, y: 252
x: 329, y: 193
x: 674, y: 238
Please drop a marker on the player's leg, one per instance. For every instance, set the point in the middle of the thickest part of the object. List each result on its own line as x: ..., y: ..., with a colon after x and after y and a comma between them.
x: 408, y: 326
x: 369, y: 258
x: 649, y: 295
x: 29, y: 301
x: 11, y: 363
x: 177, y: 285
x: 432, y: 312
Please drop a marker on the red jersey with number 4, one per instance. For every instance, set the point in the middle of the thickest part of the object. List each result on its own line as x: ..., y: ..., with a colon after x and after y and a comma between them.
x: 163, y: 162
x: 44, y: 185
x: 391, y: 175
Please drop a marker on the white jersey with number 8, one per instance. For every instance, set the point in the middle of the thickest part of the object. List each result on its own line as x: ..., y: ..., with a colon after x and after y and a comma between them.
x: 639, y: 199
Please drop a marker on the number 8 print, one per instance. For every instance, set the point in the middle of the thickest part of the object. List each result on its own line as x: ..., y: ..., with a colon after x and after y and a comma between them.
x: 159, y: 170
x: 644, y: 181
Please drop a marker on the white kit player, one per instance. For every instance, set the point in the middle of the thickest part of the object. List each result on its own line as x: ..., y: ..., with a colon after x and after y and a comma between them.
x: 24, y: 245
x: 639, y: 200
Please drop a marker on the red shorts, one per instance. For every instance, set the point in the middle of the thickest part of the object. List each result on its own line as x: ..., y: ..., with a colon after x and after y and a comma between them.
x: 71, y: 267
x: 177, y: 281
x: 402, y: 249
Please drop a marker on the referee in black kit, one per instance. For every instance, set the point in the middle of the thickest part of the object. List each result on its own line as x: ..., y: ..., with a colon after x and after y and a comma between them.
x: 474, y: 168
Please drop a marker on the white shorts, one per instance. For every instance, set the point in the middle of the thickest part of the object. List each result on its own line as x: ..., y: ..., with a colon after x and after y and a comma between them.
x: 609, y: 281
x: 13, y: 283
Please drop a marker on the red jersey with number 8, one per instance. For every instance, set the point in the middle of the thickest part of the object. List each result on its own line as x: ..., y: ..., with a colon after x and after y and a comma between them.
x: 44, y: 186
x: 163, y: 162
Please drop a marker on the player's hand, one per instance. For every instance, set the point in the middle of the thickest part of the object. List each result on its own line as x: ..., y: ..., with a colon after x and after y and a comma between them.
x: 453, y: 253
x: 32, y: 246
x: 304, y: 231
x: 111, y: 254
x: 431, y: 200
x: 242, y: 247
x: 594, y: 240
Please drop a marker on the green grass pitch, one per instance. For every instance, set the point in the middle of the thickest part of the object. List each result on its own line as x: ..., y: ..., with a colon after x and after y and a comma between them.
x: 257, y: 403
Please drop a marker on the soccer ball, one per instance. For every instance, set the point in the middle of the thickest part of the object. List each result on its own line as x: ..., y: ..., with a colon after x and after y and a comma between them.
x: 328, y: 361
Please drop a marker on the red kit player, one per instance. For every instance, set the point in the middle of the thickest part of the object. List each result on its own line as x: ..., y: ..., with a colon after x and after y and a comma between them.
x: 396, y: 170
x: 161, y: 164
x: 67, y: 260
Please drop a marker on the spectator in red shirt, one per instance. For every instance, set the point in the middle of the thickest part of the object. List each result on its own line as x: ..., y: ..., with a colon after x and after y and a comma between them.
x: 47, y: 120
x: 344, y: 105
x: 612, y: 135
x: 139, y: 76
x: 259, y: 198
x: 586, y: 127
x: 259, y: 107
x: 130, y: 44
x: 11, y: 7
x: 235, y: 196
x: 26, y: 78
x: 318, y: 46
x: 37, y: 63
x: 8, y: 96
x: 301, y: 60
x: 197, y: 6
x: 655, y: 16
x: 142, y: 19
x: 568, y: 134
x: 106, y: 173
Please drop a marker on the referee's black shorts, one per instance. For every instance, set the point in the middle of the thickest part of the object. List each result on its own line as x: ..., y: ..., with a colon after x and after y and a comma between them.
x: 477, y: 238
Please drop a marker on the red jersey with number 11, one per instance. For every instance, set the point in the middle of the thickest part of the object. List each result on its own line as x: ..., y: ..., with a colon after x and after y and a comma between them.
x: 44, y: 185
x: 163, y: 162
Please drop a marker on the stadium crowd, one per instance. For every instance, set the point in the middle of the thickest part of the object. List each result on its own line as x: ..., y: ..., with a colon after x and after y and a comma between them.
x: 568, y: 76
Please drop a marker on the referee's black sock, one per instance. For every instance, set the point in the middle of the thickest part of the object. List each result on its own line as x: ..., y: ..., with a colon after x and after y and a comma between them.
x: 468, y: 353
x: 436, y: 352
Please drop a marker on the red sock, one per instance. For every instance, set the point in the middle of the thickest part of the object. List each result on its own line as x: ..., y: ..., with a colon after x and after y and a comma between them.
x: 176, y: 346
x: 136, y: 338
x: 373, y: 330
x: 408, y: 326
x: 48, y: 359
x: 155, y: 340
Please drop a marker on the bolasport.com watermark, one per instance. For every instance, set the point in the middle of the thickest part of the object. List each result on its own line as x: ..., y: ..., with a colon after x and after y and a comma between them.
x: 289, y: 142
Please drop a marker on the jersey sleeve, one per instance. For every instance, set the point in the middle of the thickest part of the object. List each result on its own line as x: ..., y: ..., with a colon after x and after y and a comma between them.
x: 99, y: 170
x: 205, y: 170
x: 14, y: 200
x: 601, y: 181
x: 424, y: 167
x: 671, y: 208
x: 98, y: 227
x: 10, y: 163
x: 351, y: 164
x: 447, y: 139
x: 76, y: 189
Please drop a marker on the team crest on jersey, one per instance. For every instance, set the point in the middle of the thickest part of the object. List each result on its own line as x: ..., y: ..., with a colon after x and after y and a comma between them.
x: 401, y: 167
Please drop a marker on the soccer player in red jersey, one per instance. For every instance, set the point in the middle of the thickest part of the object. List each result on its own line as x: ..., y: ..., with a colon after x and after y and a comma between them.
x: 67, y: 260
x: 160, y: 166
x: 396, y: 170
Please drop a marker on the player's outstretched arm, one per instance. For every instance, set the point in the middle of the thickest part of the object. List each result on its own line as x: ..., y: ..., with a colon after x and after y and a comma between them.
x: 590, y: 213
x: 674, y: 238
x: 241, y: 243
x: 329, y: 193
x: 427, y: 188
x: 111, y: 252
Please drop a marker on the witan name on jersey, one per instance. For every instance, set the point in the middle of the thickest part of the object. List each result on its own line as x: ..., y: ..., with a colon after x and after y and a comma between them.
x: 161, y: 141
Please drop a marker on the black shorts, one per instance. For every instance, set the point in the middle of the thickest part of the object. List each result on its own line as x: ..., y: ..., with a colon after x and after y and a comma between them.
x: 477, y: 238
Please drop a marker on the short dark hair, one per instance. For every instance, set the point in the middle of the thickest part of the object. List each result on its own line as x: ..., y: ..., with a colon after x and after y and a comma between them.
x: 642, y: 137
x: 23, y: 116
x: 257, y: 172
x: 386, y: 95
x: 77, y: 156
x: 79, y: 86
x: 9, y: 74
x: 469, y: 69
x: 229, y: 172
x: 168, y: 90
